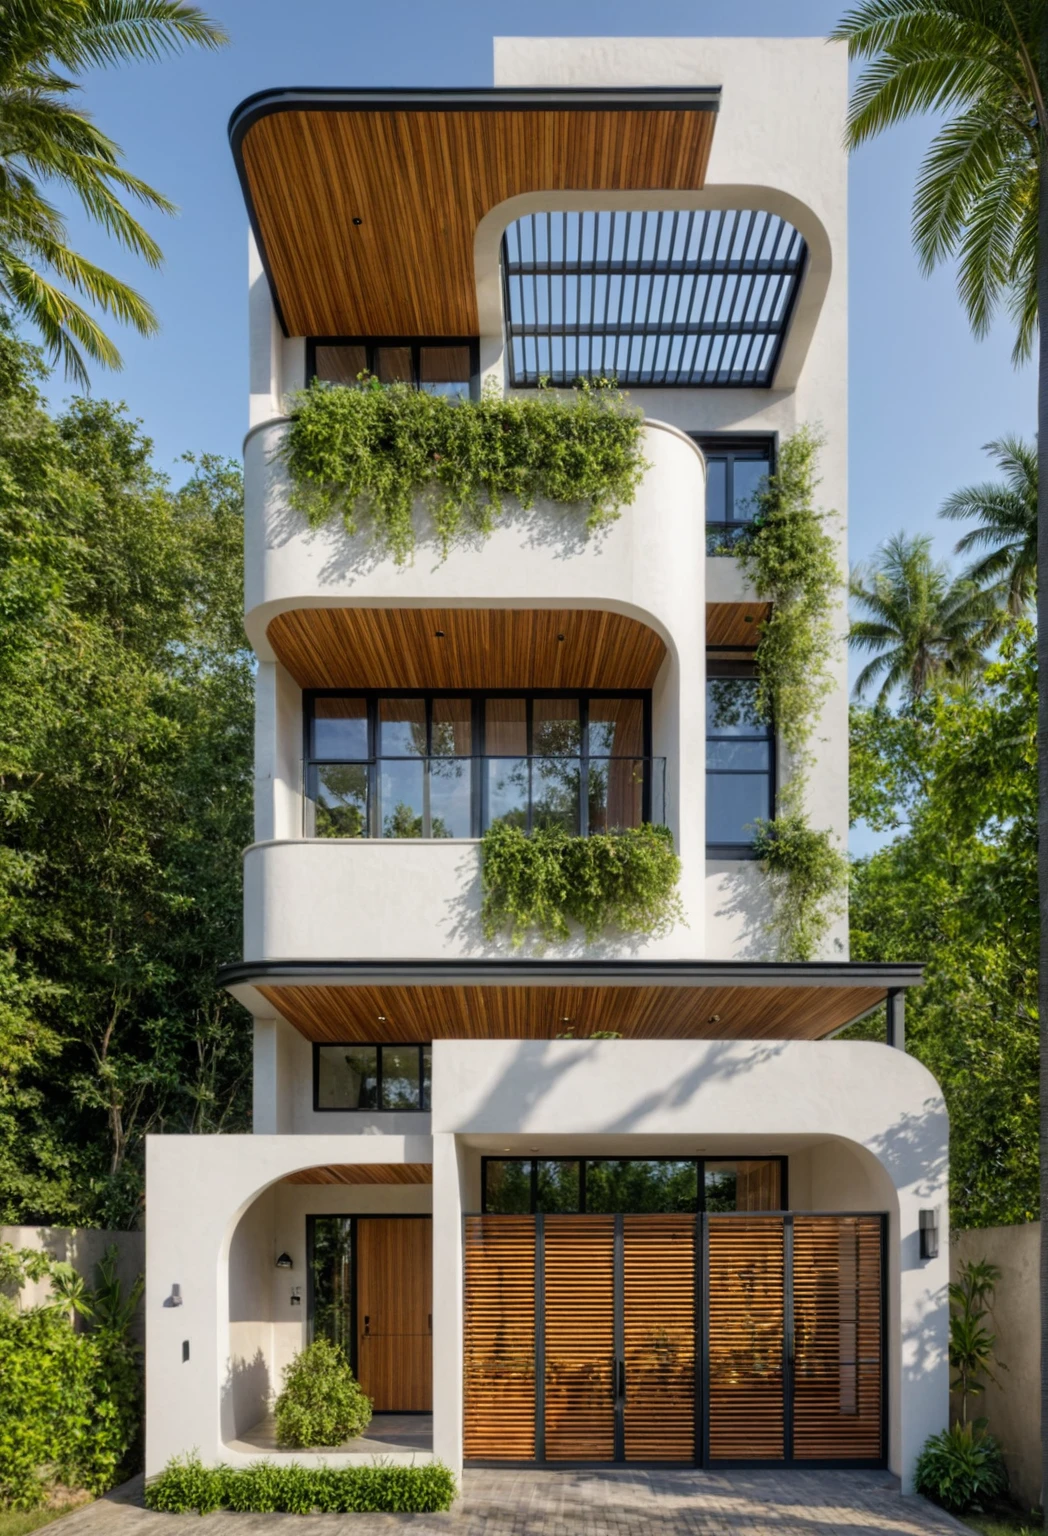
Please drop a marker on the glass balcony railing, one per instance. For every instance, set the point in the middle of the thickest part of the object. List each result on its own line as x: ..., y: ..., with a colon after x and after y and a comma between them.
x: 440, y: 797
x: 724, y: 538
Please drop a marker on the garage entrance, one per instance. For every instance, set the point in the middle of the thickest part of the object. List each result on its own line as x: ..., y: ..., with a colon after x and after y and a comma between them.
x: 708, y: 1339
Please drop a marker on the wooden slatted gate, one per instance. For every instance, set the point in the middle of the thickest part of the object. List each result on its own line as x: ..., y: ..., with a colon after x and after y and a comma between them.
x: 710, y: 1339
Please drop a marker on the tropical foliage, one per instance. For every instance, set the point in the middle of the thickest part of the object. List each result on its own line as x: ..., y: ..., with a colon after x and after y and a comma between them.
x: 1005, y: 533
x: 961, y: 1468
x: 46, y: 142
x: 321, y: 1402
x: 126, y: 701
x: 971, y: 1342
x: 187, y: 1487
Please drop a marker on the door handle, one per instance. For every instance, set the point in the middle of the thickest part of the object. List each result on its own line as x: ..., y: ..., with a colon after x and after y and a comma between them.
x: 367, y: 1323
x: 620, y: 1379
x: 430, y: 1322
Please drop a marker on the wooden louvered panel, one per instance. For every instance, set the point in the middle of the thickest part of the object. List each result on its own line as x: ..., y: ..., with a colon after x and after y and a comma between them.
x: 659, y: 1337
x: 837, y: 1337
x: 746, y: 1338
x: 580, y: 1338
x: 499, y: 1338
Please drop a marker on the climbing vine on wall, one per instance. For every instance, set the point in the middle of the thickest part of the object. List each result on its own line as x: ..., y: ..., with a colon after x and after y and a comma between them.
x: 366, y: 454
x: 791, y: 560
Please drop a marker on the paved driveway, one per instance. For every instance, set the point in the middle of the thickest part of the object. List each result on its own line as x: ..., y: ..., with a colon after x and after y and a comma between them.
x: 604, y: 1503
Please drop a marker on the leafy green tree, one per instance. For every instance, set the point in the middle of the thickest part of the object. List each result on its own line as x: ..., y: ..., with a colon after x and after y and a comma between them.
x: 921, y: 625
x: 125, y: 771
x: 46, y: 142
x: 1006, y: 530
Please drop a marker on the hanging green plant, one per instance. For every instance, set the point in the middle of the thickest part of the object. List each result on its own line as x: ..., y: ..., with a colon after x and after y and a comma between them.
x: 791, y: 560
x: 545, y: 882
x: 368, y: 454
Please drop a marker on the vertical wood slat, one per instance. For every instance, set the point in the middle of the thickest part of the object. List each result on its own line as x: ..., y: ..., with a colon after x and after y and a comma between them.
x: 746, y: 1338
x: 580, y: 1342
x: 499, y: 1338
x: 838, y: 1326
x: 394, y: 1295
x: 659, y: 1335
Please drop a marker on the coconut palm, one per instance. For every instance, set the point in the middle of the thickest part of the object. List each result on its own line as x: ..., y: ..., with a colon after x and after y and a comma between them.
x: 922, y: 625
x: 47, y: 144
x: 1007, y: 526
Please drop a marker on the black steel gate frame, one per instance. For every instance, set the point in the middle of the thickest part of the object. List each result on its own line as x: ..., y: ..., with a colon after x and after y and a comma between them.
x: 702, y: 1457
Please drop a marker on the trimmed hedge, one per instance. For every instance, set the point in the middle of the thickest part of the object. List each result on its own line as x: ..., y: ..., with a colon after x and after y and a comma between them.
x: 186, y: 1486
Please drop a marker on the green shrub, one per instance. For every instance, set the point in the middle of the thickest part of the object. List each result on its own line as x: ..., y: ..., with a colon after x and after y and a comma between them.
x: 266, y: 1487
x: 962, y: 1468
x: 322, y: 1403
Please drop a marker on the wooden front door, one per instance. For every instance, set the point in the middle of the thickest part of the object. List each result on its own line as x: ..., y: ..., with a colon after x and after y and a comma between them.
x: 395, y: 1312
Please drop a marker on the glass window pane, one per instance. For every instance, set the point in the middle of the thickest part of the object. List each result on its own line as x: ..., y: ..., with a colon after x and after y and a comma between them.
x: 616, y: 793
x: 341, y: 800
x: 506, y: 791
x: 555, y: 728
x: 731, y: 707
x: 400, y: 804
x: 556, y: 785
x: 716, y: 490
x: 505, y: 727
x: 558, y: 1186
x: 507, y: 1187
x: 340, y: 729
x: 749, y: 473
x: 400, y: 1077
x: 347, y: 1077
x: 332, y: 1266
x: 445, y: 371
x: 640, y: 1185
x: 738, y: 756
x: 616, y: 727
x: 341, y: 365
x: 393, y: 365
x: 734, y: 802
x: 427, y: 1074
x: 744, y: 1186
x: 401, y: 727
x: 450, y: 797
x: 452, y: 728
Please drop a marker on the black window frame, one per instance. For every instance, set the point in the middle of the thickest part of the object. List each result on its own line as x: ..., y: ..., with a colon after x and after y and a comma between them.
x: 534, y: 1158
x: 730, y: 446
x: 378, y: 1046
x: 416, y: 343
x: 477, y: 757
x: 745, y: 665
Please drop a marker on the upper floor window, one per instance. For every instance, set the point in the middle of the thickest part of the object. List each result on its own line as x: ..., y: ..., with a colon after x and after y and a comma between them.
x: 438, y: 765
x: 735, y: 468
x: 519, y: 1186
x: 355, y: 1076
x: 740, y: 750
x: 440, y: 367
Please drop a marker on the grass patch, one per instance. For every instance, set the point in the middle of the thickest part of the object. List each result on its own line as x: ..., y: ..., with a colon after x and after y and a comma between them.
x: 1005, y: 1520
x: 18, y: 1522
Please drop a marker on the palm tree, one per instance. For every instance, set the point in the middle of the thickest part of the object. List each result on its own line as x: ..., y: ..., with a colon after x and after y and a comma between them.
x: 46, y: 142
x: 923, y: 626
x: 981, y: 196
x: 1008, y: 526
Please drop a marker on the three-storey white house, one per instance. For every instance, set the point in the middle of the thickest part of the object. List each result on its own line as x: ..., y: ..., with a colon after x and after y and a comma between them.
x: 721, y: 1237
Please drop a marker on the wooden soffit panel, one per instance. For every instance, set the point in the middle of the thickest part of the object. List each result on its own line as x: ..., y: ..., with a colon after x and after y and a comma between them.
x: 365, y: 204
x: 342, y: 1013
x: 735, y: 624
x: 465, y: 648
x: 364, y: 1173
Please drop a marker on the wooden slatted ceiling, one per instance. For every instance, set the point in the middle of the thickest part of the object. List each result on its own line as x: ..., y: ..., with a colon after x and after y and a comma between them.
x: 747, y: 1336
x: 735, y: 624
x: 498, y: 1356
x: 579, y: 1289
x: 659, y: 1337
x: 364, y: 1173
x: 420, y: 182
x: 837, y: 1332
x: 337, y: 1014
x: 477, y: 648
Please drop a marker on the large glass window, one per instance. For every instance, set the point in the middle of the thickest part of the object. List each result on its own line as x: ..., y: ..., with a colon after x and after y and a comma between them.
x: 439, y: 367
x: 735, y: 471
x: 357, y: 1076
x: 515, y: 1186
x: 739, y: 759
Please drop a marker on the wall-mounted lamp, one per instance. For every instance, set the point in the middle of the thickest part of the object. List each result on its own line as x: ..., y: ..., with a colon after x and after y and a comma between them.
x: 284, y: 1261
x: 175, y: 1299
x: 296, y: 1296
x: 928, y: 1224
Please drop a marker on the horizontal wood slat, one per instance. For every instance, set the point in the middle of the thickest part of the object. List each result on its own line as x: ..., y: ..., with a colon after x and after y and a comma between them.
x: 338, y: 1014
x: 747, y: 1338
x: 580, y: 1338
x: 475, y: 648
x: 367, y: 218
x: 499, y: 1338
x: 837, y: 1337
x: 659, y: 1337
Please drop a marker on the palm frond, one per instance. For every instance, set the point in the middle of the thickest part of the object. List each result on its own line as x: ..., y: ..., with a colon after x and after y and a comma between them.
x: 116, y: 31
x: 60, y: 320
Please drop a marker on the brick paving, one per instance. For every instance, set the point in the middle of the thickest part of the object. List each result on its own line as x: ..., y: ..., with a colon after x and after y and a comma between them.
x: 620, y: 1502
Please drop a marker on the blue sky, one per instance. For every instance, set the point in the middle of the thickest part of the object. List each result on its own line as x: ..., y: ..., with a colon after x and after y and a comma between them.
x: 924, y: 396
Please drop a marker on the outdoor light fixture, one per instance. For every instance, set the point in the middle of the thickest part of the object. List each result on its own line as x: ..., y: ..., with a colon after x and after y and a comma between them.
x: 928, y: 1222
x: 284, y: 1261
x: 175, y: 1299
